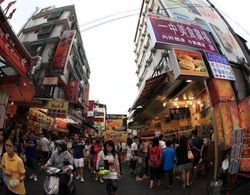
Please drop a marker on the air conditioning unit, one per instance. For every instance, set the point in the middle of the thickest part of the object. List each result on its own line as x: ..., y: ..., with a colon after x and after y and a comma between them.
x: 164, y: 54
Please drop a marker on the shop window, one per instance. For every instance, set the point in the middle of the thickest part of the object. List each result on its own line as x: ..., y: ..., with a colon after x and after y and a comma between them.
x: 55, y: 14
x: 45, y: 30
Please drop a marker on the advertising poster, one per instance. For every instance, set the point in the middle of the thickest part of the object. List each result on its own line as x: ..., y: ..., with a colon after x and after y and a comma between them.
x: 72, y: 91
x: 116, y: 122
x: 115, y: 136
x: 199, y: 12
x: 220, y: 66
x: 221, y: 91
x: 57, y: 109
x: 189, y: 63
x: 62, y: 51
x: 224, y: 116
x: 244, y: 113
x: 167, y: 33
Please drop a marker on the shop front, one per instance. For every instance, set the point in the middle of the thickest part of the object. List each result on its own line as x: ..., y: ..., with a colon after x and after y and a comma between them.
x: 15, y: 65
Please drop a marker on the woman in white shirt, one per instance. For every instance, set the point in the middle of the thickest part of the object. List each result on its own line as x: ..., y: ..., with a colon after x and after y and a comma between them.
x: 108, y: 160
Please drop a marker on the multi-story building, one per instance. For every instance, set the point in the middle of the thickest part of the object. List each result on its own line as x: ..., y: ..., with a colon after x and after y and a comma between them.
x: 97, y: 115
x: 191, y: 71
x: 52, y: 36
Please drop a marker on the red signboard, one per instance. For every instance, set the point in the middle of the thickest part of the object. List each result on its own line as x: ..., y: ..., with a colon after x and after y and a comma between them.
x: 63, y: 50
x: 72, y: 91
x: 9, y: 52
x: 168, y: 33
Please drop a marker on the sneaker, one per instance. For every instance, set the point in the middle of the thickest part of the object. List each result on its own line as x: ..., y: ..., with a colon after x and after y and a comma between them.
x: 35, y: 178
x: 101, y: 181
x: 138, y: 179
x: 32, y: 177
x: 77, y: 177
x: 82, y: 180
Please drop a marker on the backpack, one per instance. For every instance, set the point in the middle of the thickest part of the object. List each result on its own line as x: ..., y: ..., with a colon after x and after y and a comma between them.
x: 154, y: 160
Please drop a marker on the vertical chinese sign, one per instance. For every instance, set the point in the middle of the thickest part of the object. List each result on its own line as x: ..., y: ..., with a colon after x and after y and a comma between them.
x: 72, y: 91
x: 63, y: 50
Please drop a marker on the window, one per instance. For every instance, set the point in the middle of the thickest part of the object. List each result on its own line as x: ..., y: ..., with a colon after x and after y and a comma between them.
x: 55, y: 14
x: 45, y: 30
x: 35, y: 49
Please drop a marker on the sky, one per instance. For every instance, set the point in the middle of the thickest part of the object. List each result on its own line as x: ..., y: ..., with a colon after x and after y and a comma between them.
x: 109, y: 47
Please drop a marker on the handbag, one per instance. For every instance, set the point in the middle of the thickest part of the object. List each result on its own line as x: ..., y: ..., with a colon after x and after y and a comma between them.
x: 190, y: 154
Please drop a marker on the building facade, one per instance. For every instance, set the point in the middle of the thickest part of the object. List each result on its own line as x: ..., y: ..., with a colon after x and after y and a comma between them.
x: 97, y: 115
x: 192, y: 71
x: 53, y: 38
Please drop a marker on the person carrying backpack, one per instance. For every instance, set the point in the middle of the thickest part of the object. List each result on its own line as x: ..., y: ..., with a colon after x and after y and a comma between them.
x: 155, y: 162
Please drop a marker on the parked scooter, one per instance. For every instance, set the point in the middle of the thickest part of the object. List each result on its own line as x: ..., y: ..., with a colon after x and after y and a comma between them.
x: 54, y: 179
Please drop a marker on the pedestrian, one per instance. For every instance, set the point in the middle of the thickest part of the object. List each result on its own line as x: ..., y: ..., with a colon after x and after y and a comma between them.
x: 140, y: 167
x: 13, y: 169
x: 184, y: 164
x: 155, y: 162
x: 95, y: 149
x: 78, y: 155
x: 134, y: 158
x: 2, y: 178
x: 109, y: 159
x: 168, y: 159
x: 45, y: 147
x: 162, y: 142
x: 31, y: 155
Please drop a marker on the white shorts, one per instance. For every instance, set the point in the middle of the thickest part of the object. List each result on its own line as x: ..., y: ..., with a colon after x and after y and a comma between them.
x: 79, y: 162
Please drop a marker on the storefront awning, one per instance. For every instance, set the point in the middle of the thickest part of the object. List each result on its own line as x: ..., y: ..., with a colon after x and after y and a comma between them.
x: 149, y: 88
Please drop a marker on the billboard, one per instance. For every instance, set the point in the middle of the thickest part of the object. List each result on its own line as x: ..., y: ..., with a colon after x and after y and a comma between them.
x: 63, y: 50
x: 188, y: 64
x: 117, y: 122
x: 199, y: 12
x: 167, y: 33
x: 220, y: 66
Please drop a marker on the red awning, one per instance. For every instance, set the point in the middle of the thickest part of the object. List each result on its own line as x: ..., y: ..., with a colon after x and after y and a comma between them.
x: 149, y: 87
x: 19, y: 88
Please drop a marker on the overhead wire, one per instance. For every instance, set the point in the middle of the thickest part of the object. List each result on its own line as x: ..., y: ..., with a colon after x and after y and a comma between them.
x: 134, y: 14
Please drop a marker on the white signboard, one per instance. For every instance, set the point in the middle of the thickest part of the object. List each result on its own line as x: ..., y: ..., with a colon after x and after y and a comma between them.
x: 220, y: 66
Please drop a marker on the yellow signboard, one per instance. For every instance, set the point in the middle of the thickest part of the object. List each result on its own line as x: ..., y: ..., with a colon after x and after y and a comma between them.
x: 57, y: 108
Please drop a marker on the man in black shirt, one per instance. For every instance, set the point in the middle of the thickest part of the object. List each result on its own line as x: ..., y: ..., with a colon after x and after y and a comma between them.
x: 78, y: 154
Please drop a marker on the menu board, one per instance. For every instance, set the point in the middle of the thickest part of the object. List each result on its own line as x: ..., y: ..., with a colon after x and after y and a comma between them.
x: 220, y: 66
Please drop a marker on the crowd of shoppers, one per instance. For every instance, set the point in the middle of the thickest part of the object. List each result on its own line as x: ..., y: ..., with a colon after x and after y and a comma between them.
x: 151, y: 159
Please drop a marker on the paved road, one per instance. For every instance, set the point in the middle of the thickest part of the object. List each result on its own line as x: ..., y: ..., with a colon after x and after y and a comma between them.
x: 127, y: 186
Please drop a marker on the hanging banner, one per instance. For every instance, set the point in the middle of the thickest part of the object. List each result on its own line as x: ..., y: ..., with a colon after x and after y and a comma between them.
x: 72, y: 91
x: 220, y: 66
x: 63, y: 50
x: 167, y: 33
x: 57, y: 109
